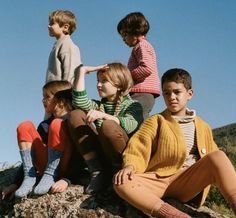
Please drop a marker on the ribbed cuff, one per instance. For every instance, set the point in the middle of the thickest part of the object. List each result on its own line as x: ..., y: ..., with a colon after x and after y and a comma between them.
x: 67, y: 180
x: 79, y: 93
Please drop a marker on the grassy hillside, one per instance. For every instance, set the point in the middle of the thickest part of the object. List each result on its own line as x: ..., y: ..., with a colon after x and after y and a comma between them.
x: 225, y: 138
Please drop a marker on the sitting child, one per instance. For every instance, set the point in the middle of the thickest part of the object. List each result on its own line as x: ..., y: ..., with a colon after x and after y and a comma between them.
x: 116, y: 117
x: 45, y: 151
x: 173, y: 154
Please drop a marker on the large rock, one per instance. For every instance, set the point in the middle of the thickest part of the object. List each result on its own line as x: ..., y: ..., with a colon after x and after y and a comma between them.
x: 73, y: 203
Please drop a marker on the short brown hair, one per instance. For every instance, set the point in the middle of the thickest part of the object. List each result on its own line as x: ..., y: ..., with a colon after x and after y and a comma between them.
x: 64, y: 17
x: 179, y: 76
x: 133, y: 24
x: 61, y: 91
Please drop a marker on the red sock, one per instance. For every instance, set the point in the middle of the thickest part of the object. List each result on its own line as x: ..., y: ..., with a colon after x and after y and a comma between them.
x: 168, y: 211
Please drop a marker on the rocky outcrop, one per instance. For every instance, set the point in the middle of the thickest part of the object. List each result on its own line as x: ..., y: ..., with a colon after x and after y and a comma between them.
x: 74, y: 203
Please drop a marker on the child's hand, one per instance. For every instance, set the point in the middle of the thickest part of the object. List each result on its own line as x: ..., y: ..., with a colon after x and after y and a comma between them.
x: 93, y: 115
x: 123, y: 175
x: 88, y: 69
x: 9, y: 191
x: 60, y: 186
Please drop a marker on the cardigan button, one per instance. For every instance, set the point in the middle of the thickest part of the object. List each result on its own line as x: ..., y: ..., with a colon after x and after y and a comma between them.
x: 203, y: 150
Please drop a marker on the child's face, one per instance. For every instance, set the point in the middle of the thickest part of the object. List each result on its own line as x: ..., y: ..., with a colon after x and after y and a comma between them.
x: 56, y: 31
x: 106, y: 89
x: 48, y: 102
x: 129, y: 40
x: 176, y: 97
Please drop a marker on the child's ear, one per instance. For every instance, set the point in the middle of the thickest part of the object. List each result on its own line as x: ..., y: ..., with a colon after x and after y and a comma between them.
x: 190, y: 93
x: 66, y: 27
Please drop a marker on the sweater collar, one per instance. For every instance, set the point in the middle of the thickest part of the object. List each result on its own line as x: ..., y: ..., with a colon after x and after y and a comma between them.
x: 189, y: 117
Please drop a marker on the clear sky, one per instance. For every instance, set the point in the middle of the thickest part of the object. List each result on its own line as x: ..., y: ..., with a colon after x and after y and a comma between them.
x: 198, y: 36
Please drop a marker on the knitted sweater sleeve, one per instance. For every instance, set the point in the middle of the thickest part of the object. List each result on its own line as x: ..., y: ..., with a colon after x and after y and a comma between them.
x: 69, y: 55
x: 81, y: 100
x: 211, y: 145
x: 145, y: 57
x: 132, y: 117
x: 139, y: 149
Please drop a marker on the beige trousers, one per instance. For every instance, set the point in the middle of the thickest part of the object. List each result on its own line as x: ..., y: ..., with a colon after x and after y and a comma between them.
x: 145, y: 190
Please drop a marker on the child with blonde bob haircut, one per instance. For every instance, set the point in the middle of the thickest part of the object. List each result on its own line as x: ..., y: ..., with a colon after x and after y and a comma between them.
x: 65, y: 55
x: 116, y: 117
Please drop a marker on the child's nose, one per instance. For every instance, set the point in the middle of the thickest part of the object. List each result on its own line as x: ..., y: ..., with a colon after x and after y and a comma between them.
x: 172, y: 96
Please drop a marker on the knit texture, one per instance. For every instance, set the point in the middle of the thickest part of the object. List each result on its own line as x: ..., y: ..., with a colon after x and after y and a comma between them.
x: 168, y: 211
x: 159, y: 145
x: 63, y: 60
x: 50, y: 172
x: 29, y: 174
x: 143, y: 67
x: 129, y: 112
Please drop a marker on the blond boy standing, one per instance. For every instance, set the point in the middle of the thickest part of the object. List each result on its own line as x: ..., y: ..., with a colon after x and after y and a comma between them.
x: 65, y: 55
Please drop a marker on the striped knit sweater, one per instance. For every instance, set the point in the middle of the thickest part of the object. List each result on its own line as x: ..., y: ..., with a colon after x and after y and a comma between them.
x: 143, y: 67
x: 187, y: 125
x: 129, y: 111
x: 159, y: 146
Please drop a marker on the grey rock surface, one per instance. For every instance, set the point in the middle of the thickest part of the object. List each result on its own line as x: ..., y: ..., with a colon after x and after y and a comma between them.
x: 74, y: 203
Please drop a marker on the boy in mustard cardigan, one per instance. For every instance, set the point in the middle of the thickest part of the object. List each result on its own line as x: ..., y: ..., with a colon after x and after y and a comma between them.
x: 173, y: 154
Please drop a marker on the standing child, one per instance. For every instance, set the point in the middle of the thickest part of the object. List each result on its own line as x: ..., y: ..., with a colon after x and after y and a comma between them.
x: 116, y: 117
x: 65, y: 55
x: 45, y: 152
x: 173, y: 154
x: 142, y: 62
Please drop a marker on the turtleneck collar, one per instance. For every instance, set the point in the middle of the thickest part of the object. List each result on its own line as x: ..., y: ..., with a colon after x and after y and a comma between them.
x: 190, y: 115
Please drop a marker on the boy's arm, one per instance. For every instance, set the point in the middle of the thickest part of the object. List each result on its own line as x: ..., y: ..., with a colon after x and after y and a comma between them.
x: 146, y: 57
x: 66, y: 66
x: 139, y: 149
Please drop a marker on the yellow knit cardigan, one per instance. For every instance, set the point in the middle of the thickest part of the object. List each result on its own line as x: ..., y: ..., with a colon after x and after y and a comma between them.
x: 159, y: 146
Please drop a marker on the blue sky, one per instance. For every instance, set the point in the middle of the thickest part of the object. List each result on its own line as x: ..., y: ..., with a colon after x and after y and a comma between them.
x: 198, y: 36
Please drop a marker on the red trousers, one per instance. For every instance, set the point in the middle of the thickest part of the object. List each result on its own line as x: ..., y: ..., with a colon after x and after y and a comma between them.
x: 58, y: 139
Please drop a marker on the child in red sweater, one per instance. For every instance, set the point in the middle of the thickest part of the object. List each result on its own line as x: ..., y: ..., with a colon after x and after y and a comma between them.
x: 142, y: 62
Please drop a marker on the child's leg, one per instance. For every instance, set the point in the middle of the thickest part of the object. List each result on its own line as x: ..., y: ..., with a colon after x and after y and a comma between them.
x: 59, y: 139
x: 85, y: 138
x: 27, y: 135
x: 144, y: 192
x: 59, y: 150
x: 113, y: 140
x: 215, y: 168
x: 147, y: 101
